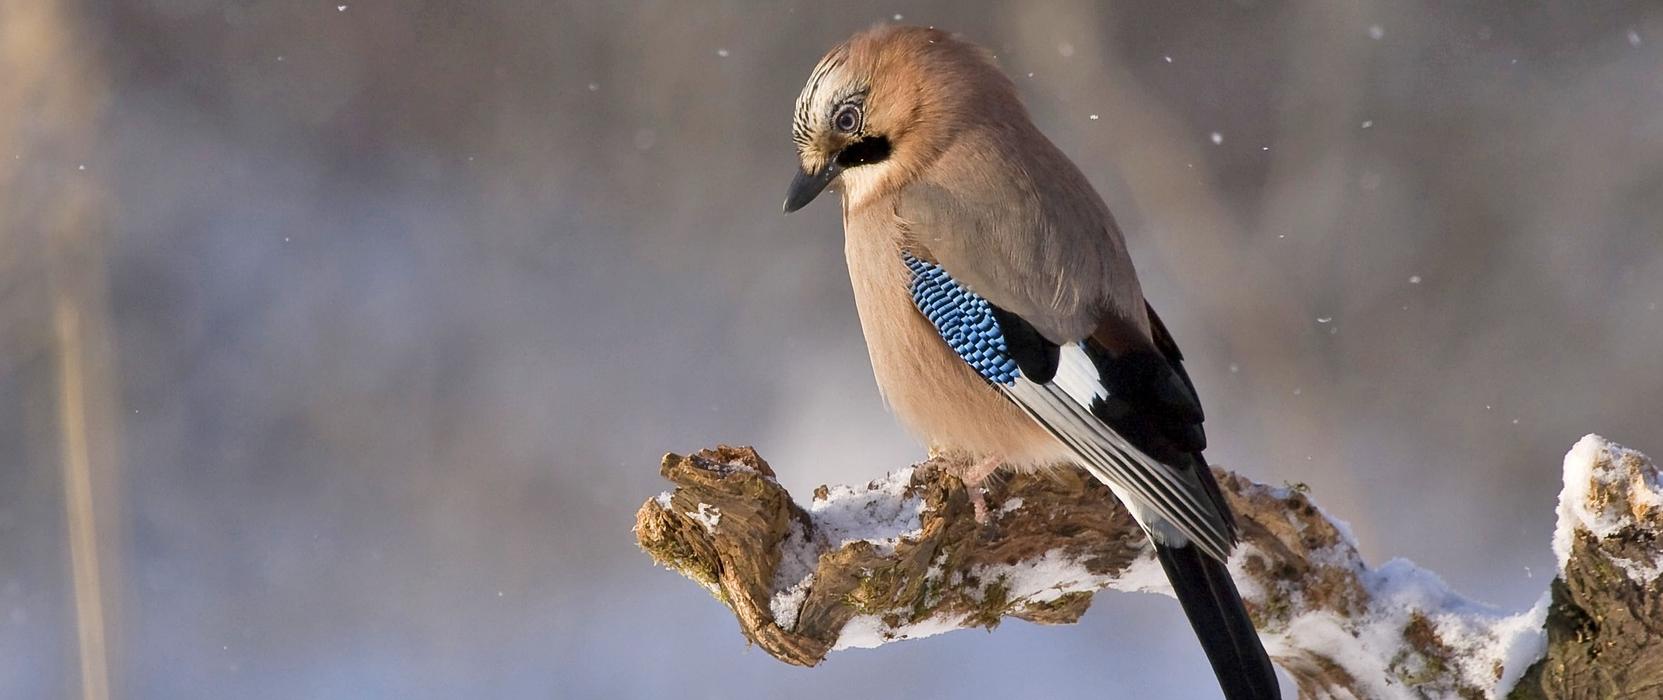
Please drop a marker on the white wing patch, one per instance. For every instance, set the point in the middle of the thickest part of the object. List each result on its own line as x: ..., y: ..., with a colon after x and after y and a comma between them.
x: 1077, y: 376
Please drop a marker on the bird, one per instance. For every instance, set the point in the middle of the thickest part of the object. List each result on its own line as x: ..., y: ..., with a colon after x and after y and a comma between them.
x: 1001, y: 311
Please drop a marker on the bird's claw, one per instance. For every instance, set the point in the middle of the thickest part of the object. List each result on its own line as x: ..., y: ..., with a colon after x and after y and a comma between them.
x: 978, y: 502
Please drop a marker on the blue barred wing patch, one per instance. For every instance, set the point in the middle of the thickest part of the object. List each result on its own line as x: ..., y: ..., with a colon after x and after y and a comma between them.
x: 963, y: 319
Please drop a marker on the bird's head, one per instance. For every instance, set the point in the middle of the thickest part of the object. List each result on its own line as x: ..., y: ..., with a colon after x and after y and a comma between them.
x: 880, y: 107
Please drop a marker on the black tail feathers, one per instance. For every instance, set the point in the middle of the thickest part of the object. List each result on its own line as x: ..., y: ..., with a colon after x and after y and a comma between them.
x: 1215, y: 610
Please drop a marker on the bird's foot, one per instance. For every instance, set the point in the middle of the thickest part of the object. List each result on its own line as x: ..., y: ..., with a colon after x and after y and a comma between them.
x: 973, y: 478
x: 978, y: 503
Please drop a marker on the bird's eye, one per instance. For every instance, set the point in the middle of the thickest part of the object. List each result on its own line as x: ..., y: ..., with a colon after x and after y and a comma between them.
x: 847, y: 119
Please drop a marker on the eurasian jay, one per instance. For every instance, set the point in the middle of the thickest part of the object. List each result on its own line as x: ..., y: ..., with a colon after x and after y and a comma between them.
x: 1001, y: 311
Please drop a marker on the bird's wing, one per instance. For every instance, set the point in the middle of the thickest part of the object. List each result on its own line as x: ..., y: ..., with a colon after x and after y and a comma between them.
x: 1024, y: 228
x: 1128, y: 416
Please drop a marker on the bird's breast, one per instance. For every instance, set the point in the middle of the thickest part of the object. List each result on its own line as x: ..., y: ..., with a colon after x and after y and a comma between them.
x: 934, y: 392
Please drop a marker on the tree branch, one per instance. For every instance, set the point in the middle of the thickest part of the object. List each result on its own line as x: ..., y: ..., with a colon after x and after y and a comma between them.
x: 903, y: 558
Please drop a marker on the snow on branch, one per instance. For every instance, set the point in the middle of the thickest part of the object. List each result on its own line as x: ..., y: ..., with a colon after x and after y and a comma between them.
x: 903, y: 558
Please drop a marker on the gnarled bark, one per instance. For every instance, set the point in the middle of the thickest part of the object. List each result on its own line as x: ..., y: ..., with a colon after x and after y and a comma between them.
x: 903, y: 557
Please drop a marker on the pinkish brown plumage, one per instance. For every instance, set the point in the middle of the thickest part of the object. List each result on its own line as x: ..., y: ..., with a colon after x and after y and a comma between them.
x: 1001, y: 311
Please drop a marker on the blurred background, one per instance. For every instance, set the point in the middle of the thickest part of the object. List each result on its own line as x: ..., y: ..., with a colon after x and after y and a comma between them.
x: 339, y: 340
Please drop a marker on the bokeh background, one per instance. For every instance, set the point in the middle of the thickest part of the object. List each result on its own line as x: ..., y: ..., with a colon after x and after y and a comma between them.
x: 339, y: 342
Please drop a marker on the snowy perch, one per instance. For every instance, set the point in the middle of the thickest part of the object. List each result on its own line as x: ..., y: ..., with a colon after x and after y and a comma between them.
x: 903, y: 558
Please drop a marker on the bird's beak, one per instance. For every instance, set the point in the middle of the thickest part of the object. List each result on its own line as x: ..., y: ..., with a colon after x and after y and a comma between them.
x: 806, y: 186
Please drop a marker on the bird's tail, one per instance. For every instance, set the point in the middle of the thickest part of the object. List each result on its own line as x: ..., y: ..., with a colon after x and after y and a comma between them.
x: 1215, y: 610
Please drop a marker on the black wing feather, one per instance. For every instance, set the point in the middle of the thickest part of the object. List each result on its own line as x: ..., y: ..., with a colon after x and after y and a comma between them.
x: 1034, y: 355
x: 1151, y: 398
